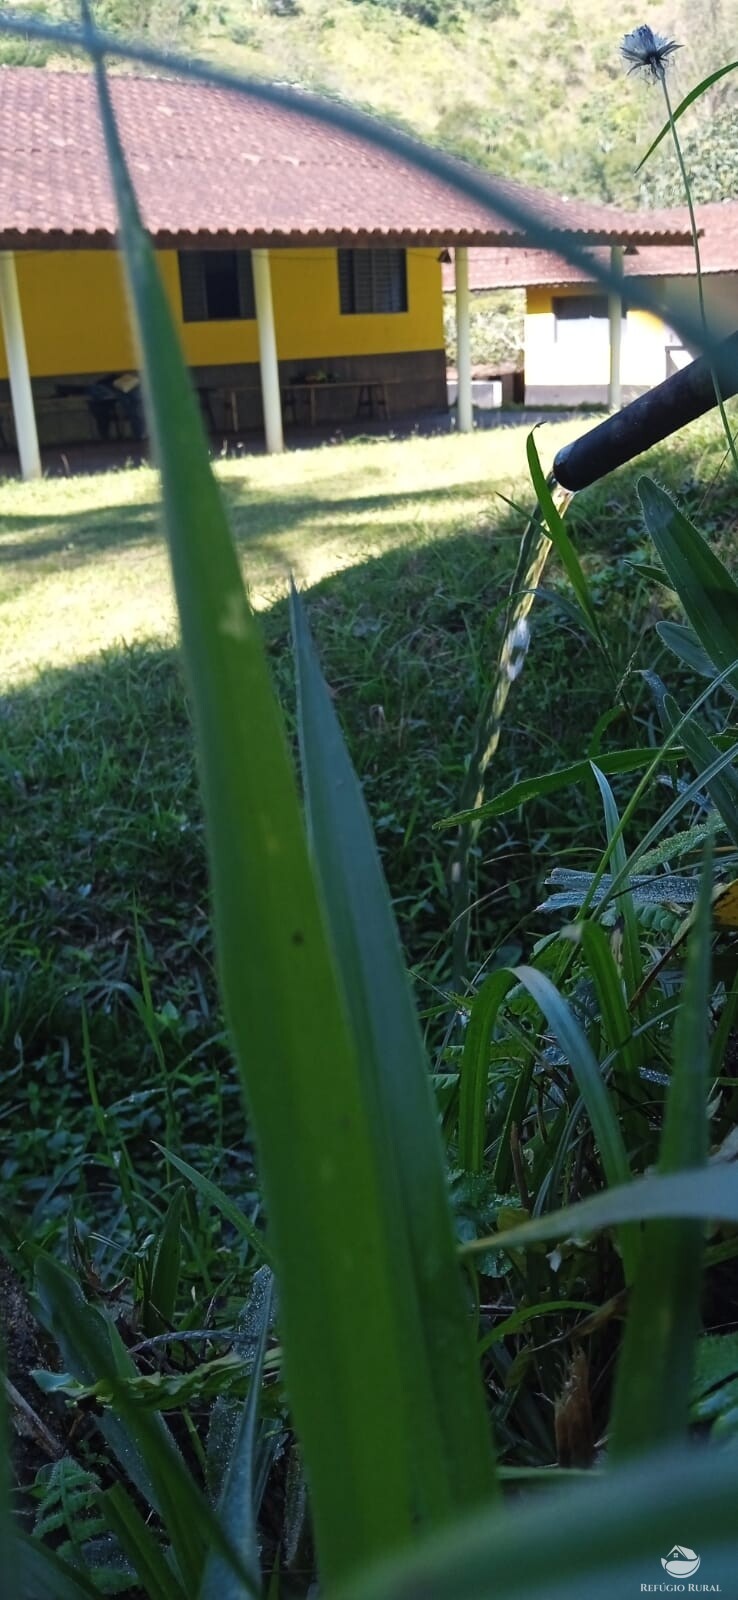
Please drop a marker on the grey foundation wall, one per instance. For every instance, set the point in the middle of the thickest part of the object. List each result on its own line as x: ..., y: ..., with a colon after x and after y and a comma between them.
x: 414, y: 382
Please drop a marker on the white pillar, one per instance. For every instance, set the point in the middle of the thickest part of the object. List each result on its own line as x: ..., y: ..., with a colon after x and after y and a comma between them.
x: 24, y: 415
x: 464, y: 411
x: 270, y: 395
x: 615, y: 311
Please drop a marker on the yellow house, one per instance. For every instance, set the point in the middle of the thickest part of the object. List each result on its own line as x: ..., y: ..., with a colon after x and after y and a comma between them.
x: 302, y: 262
x: 569, y: 320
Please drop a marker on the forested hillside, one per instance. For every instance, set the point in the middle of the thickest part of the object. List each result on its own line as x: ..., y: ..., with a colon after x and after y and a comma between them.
x: 531, y: 88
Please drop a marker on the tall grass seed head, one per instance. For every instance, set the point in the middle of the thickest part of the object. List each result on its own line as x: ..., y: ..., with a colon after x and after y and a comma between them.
x: 647, y: 52
x: 515, y: 649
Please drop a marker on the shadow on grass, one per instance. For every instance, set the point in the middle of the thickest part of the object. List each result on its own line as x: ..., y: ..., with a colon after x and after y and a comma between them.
x: 259, y: 521
x: 103, y: 831
x: 98, y: 780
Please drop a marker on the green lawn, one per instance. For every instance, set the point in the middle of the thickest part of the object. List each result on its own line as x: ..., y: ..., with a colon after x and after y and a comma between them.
x: 83, y: 562
x: 407, y: 550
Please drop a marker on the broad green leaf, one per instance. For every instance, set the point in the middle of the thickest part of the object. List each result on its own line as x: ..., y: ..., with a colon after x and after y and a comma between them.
x: 707, y: 1194
x: 716, y: 1360
x: 219, y: 1200
x: 236, y: 1509
x: 705, y: 588
x: 723, y: 787
x: 654, y: 1377
x: 569, y: 777
x: 474, y: 1069
x: 9, y: 1555
x: 442, y: 1386
x: 572, y: 887
x: 678, y: 844
x: 140, y: 1546
x: 341, y: 1320
x: 654, y: 574
x: 92, y: 1348
x: 684, y: 644
x: 688, y: 792
x: 45, y: 1576
x: 601, y: 1538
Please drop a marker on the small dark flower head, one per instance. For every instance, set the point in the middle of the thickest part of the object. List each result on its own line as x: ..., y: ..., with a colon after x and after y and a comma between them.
x: 647, y: 52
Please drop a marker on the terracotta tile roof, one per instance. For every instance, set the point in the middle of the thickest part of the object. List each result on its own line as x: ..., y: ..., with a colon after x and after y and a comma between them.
x: 211, y: 165
x: 516, y: 268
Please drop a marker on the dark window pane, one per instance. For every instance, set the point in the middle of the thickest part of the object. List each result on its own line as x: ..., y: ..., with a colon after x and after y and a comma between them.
x: 577, y: 307
x: 372, y: 281
x: 345, y: 281
x: 216, y: 285
x: 246, y: 285
x: 192, y: 285
x: 390, y: 280
x: 221, y: 285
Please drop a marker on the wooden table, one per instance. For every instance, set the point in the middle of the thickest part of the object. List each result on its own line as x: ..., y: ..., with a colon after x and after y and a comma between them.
x: 371, y: 396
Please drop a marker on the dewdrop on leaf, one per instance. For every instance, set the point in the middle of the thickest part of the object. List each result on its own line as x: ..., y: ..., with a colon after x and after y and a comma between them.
x: 647, y: 52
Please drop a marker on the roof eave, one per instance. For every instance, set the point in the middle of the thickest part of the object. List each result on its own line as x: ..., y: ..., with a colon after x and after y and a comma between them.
x: 13, y: 238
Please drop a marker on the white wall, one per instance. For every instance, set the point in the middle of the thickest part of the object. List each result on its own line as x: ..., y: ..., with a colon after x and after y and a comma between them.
x: 568, y: 361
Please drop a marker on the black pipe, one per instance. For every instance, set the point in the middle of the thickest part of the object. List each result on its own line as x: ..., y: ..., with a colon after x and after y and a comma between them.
x: 650, y: 418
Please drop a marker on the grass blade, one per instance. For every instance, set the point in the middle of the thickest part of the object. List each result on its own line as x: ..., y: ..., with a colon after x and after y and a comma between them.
x: 596, y: 1539
x: 689, y: 99
x: 653, y: 1385
x: 474, y: 1071
x: 162, y: 1296
x: 614, y: 1012
x: 216, y: 1197
x: 520, y: 1319
x: 236, y: 1506
x: 442, y: 1385
x: 585, y: 1071
x: 503, y: 1171
x: 322, y: 1185
x: 710, y: 1194
x: 561, y: 541
x: 138, y: 1543
x: 578, y: 772
x: 593, y: 1090
x: 618, y: 861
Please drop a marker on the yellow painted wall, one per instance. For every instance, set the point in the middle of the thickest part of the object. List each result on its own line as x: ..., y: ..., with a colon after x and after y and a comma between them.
x: 75, y: 317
